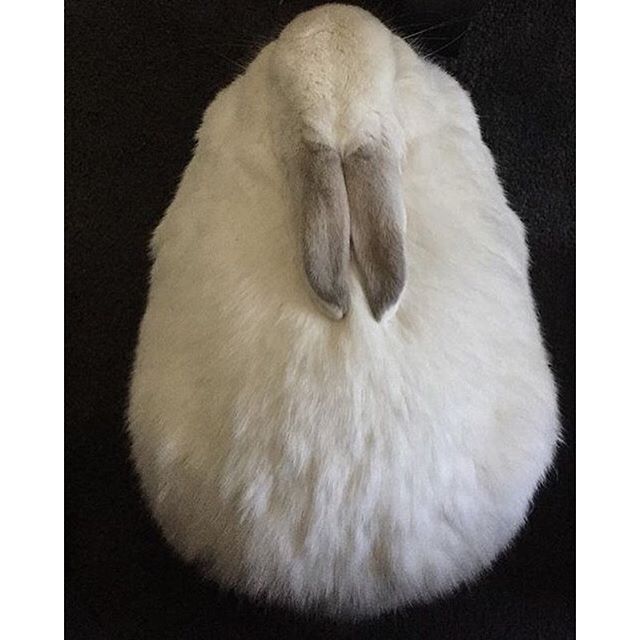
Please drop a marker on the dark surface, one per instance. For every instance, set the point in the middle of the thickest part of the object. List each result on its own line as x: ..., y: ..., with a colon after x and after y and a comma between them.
x: 139, y: 75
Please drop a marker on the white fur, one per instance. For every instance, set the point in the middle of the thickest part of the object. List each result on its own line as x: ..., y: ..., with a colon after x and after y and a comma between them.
x: 344, y: 465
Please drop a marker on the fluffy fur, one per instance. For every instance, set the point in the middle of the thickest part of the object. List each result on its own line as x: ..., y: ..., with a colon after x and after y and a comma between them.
x: 330, y: 460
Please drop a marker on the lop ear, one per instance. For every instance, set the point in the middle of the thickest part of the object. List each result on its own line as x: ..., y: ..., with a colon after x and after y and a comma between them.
x: 325, y: 222
x: 377, y: 214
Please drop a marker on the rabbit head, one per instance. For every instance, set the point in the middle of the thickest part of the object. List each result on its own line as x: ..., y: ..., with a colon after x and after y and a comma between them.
x: 333, y: 70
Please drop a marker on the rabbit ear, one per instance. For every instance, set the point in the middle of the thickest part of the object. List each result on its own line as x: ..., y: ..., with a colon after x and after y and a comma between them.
x: 325, y: 221
x: 372, y: 176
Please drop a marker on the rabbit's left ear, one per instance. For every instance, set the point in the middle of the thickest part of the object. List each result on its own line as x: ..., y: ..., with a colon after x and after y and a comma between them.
x: 377, y: 219
x: 325, y: 232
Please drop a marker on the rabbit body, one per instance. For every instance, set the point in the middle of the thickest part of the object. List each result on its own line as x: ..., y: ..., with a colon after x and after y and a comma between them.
x: 346, y: 465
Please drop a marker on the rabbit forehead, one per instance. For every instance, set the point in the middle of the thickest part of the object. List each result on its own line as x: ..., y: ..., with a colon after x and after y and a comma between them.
x: 335, y: 67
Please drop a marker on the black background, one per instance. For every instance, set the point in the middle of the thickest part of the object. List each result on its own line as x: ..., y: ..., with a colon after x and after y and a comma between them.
x: 138, y: 77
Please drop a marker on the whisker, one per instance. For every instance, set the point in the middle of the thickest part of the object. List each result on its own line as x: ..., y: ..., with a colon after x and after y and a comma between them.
x: 444, y: 46
x: 437, y: 26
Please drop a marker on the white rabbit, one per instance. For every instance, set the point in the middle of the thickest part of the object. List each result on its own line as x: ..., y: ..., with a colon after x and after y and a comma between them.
x: 379, y: 448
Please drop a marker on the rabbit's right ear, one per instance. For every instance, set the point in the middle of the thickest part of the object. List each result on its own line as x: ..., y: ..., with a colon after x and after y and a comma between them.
x: 377, y: 217
x: 325, y: 226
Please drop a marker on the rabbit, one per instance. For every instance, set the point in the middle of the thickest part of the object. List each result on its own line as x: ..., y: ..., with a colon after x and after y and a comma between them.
x: 341, y: 402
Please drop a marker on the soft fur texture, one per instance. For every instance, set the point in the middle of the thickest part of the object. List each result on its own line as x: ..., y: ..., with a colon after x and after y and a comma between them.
x: 332, y: 461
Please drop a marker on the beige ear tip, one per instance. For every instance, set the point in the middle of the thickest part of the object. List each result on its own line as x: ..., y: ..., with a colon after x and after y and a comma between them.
x: 334, y: 304
x: 334, y: 311
x: 333, y: 299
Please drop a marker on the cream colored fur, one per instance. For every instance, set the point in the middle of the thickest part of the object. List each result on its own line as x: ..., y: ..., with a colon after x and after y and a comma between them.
x: 350, y: 466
